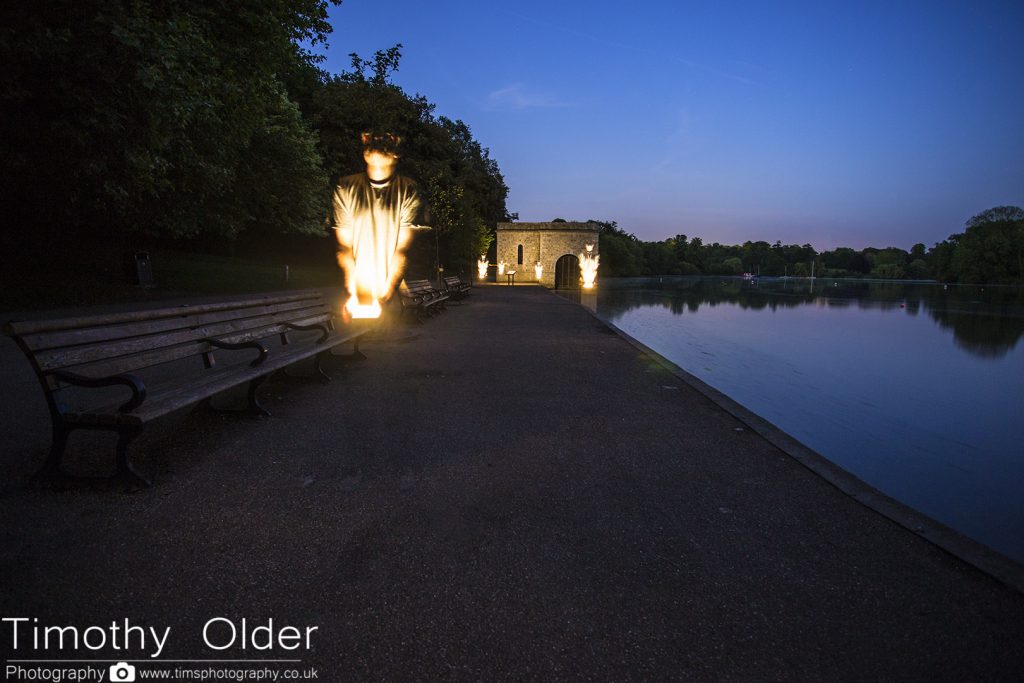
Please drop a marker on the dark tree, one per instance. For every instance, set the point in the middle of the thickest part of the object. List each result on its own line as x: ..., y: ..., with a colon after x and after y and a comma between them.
x: 462, y: 185
x: 167, y: 118
x: 992, y: 248
x: 621, y: 252
x: 997, y: 214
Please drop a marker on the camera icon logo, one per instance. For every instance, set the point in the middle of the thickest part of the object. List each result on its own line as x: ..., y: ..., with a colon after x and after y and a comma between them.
x: 122, y: 671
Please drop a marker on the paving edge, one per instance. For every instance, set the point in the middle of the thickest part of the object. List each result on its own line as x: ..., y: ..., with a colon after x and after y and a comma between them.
x: 980, y: 556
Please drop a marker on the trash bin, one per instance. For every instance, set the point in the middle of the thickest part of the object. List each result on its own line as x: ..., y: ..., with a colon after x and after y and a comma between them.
x: 142, y: 269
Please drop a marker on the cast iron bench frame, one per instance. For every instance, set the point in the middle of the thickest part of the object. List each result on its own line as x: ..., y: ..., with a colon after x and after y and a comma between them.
x: 419, y: 296
x: 457, y: 289
x: 91, y: 351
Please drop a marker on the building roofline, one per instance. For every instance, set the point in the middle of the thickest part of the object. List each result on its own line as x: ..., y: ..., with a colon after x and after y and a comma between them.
x: 574, y: 226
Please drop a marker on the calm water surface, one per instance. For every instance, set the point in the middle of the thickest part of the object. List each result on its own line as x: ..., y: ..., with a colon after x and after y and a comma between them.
x: 918, y: 389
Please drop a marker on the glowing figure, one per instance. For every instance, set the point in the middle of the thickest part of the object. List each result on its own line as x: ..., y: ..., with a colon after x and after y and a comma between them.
x: 501, y: 267
x: 538, y: 268
x: 481, y: 267
x: 374, y: 217
x: 588, y: 267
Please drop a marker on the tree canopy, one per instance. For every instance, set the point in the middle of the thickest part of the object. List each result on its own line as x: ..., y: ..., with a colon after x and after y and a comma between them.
x: 190, y: 118
x: 165, y: 117
x: 990, y: 250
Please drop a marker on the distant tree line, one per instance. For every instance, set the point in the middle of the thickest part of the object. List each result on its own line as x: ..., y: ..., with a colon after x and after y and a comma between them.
x: 990, y: 250
x: 206, y: 120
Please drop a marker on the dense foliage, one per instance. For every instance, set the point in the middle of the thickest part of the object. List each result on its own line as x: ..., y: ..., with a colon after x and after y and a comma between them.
x: 185, y: 118
x: 165, y: 117
x: 463, y: 187
x: 991, y: 250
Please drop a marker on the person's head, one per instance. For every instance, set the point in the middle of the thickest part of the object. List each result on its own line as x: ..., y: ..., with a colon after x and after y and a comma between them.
x: 380, y: 148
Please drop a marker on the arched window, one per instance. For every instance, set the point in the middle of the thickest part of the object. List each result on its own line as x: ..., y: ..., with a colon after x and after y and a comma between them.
x: 520, y: 255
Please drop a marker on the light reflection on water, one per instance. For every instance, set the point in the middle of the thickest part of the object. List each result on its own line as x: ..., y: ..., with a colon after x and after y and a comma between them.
x: 918, y: 389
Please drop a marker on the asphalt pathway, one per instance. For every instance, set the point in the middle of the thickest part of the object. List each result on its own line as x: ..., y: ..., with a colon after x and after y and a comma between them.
x: 511, y: 491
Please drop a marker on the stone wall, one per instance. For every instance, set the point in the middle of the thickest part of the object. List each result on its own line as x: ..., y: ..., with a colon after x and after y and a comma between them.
x: 544, y: 242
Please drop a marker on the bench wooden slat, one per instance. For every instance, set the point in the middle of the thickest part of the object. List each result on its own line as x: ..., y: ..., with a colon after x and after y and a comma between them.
x: 26, y: 327
x: 264, y: 326
x: 168, y: 354
x: 137, y: 361
x: 423, y: 287
x: 56, y: 358
x: 172, y: 396
x: 40, y: 341
x: 147, y: 359
x: 184, y: 391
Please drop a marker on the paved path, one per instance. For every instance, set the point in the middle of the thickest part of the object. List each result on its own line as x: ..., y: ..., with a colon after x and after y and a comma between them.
x: 516, y: 493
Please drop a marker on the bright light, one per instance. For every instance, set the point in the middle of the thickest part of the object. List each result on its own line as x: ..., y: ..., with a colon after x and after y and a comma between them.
x: 588, y: 267
x: 481, y: 267
x: 374, y: 216
x: 501, y: 267
x: 538, y: 268
x: 362, y: 311
x: 371, y: 280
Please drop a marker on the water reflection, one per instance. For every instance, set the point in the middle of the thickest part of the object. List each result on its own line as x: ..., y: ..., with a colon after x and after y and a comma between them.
x: 986, y: 322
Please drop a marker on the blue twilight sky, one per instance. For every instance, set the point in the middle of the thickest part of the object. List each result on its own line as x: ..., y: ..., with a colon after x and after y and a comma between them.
x: 834, y: 123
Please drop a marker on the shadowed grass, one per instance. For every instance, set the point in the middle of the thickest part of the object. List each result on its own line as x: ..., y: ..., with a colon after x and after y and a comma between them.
x: 100, y: 276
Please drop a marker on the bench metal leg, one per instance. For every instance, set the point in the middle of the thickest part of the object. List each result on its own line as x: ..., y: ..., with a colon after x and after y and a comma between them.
x: 319, y: 368
x: 125, y: 471
x: 254, y: 405
x: 51, y: 468
x: 356, y: 354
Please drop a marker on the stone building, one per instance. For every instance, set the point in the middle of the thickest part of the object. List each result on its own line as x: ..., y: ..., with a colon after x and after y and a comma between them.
x: 556, y: 246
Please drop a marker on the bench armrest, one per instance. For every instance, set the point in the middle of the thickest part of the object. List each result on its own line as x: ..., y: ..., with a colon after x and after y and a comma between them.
x: 131, y: 381
x: 242, y: 345
x: 324, y: 332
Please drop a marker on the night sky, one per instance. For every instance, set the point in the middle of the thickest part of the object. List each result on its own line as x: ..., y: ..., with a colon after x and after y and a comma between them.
x: 835, y: 124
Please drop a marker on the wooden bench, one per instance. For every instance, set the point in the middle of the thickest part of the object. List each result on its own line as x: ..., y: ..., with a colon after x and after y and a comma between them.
x: 457, y: 289
x: 119, y: 371
x: 420, y: 298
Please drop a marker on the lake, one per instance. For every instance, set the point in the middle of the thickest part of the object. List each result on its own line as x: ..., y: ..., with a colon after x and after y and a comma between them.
x: 918, y: 389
